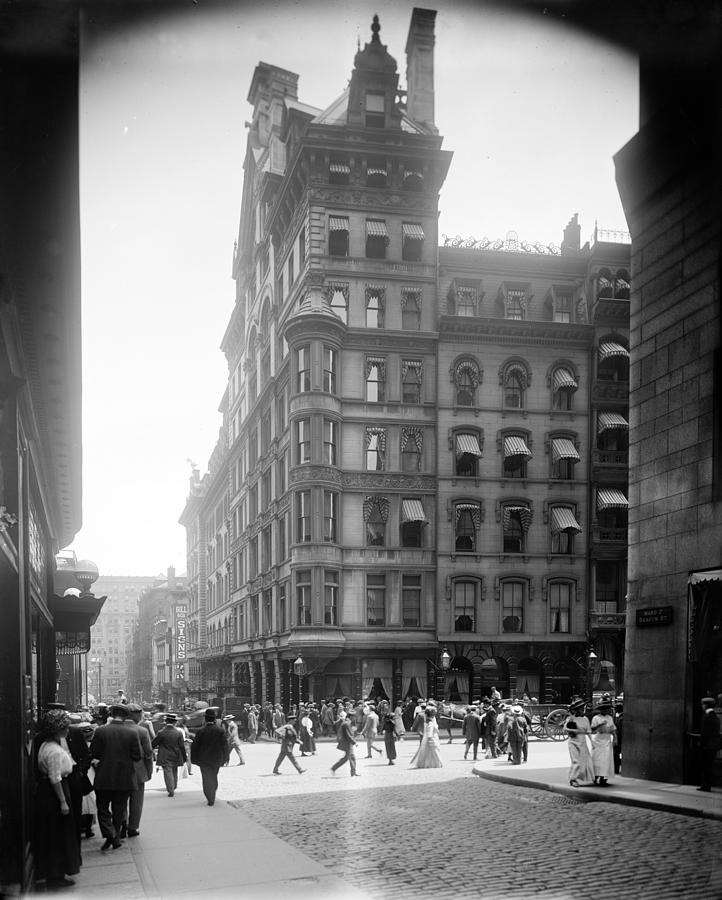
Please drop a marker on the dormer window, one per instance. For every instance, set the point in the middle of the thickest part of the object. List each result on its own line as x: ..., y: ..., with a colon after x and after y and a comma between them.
x: 515, y: 300
x: 375, y: 109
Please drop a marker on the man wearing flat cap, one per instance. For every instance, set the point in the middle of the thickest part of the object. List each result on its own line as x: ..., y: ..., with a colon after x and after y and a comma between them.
x: 171, y: 746
x: 117, y: 749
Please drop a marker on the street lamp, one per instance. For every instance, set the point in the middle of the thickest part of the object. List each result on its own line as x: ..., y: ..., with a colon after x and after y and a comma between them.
x: 299, y: 667
x: 591, y: 658
x: 445, y: 660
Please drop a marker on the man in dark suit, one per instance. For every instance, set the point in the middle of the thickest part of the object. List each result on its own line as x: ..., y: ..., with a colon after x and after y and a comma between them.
x: 471, y: 730
x: 171, y: 746
x: 117, y: 749
x: 143, y: 771
x: 346, y: 743
x: 209, y: 751
x: 709, y: 742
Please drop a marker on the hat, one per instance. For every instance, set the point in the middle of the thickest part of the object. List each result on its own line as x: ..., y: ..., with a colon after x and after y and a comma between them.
x: 577, y: 703
x: 171, y: 718
x: 134, y: 708
x: 227, y: 718
x: 517, y: 710
x: 605, y: 702
x: 709, y: 700
x: 119, y: 710
x: 209, y: 714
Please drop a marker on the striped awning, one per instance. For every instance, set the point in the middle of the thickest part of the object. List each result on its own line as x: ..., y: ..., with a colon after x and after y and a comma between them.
x: 524, y: 514
x: 411, y: 173
x: 564, y: 380
x: 413, y: 511
x: 472, y: 509
x: 611, y: 348
x: 467, y: 443
x: 340, y: 168
x: 611, y: 498
x: 378, y: 505
x: 518, y: 370
x: 376, y: 438
x: 412, y: 232
x: 610, y: 420
x: 376, y: 170
x: 338, y: 223
x: 375, y: 228
x: 563, y: 519
x: 563, y: 448
x: 516, y: 446
x: 708, y: 575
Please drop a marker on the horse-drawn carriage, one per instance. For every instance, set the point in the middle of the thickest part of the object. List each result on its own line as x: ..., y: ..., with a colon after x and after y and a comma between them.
x: 547, y: 719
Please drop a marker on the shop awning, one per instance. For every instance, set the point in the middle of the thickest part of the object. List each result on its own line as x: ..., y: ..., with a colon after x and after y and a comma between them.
x: 412, y: 232
x: 413, y: 511
x: 709, y: 575
x: 564, y: 380
x: 610, y: 420
x: 338, y: 223
x: 516, y: 446
x: 563, y: 519
x: 611, y: 348
x: 563, y: 448
x: 611, y: 498
x: 376, y: 229
x: 467, y: 443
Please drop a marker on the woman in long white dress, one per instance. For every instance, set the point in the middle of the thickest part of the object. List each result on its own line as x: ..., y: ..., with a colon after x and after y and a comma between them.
x: 428, y: 756
x: 603, y: 734
x: 577, y: 727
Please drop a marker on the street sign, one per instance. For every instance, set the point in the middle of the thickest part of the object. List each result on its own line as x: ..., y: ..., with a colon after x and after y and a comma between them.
x: 655, y: 615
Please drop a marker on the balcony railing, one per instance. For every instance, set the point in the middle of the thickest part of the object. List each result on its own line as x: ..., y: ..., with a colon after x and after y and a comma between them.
x: 609, y: 535
x: 616, y: 458
x: 607, y: 620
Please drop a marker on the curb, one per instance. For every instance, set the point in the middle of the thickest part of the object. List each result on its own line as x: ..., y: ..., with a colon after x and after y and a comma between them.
x: 590, y: 795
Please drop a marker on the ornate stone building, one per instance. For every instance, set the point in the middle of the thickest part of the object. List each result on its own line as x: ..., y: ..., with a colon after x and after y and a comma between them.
x: 423, y: 447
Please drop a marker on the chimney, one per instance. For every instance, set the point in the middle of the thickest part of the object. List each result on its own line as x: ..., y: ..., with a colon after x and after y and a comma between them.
x: 572, y: 236
x: 420, y: 66
x: 171, y: 577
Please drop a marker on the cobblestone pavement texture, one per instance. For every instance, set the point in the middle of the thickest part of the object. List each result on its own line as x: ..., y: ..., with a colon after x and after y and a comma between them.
x: 401, y: 833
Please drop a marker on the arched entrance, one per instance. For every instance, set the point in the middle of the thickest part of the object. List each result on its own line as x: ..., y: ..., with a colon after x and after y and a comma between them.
x: 529, y: 679
x: 458, y: 680
x: 494, y: 673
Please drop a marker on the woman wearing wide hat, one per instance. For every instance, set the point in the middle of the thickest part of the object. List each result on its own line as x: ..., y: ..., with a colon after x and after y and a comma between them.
x: 577, y: 727
x: 603, y: 734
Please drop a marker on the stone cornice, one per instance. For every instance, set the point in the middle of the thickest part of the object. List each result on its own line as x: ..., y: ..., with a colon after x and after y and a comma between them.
x: 502, y: 331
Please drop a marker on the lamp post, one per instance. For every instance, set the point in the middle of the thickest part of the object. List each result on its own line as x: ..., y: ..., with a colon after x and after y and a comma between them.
x: 97, y: 661
x: 299, y: 667
x: 590, y: 674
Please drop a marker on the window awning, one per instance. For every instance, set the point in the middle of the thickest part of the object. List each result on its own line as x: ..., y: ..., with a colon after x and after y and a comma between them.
x: 524, y: 514
x: 472, y: 509
x: 412, y: 232
x: 611, y: 498
x: 467, y: 443
x: 340, y: 168
x: 413, y: 174
x: 516, y: 446
x: 564, y: 380
x: 338, y: 223
x: 709, y: 575
x: 610, y: 420
x: 376, y: 170
x: 563, y: 448
x: 611, y: 348
x: 563, y: 519
x: 376, y: 229
x: 515, y: 369
x: 413, y: 511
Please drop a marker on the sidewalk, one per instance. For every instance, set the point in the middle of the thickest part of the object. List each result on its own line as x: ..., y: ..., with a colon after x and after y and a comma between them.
x: 190, y: 849
x: 675, y: 798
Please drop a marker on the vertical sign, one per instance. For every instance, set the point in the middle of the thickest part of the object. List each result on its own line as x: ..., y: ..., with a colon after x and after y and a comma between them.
x: 180, y: 642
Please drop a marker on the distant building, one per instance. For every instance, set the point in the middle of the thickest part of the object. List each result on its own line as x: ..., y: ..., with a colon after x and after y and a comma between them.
x: 423, y: 448
x: 112, y: 634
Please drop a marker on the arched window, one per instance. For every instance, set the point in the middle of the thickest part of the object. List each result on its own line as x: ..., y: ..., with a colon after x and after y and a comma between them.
x: 466, y: 380
x: 613, y: 360
x: 564, y: 386
x: 515, y: 382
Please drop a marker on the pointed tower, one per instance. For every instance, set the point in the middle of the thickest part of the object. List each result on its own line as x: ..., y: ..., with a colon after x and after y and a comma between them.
x: 374, y: 86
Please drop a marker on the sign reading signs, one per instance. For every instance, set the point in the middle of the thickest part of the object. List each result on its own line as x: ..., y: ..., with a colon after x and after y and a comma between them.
x: 655, y: 615
x: 180, y: 640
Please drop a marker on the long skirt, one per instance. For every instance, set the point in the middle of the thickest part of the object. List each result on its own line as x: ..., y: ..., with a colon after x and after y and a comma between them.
x: 428, y: 756
x: 390, y: 744
x: 580, y: 769
x: 57, y: 849
x: 602, y: 756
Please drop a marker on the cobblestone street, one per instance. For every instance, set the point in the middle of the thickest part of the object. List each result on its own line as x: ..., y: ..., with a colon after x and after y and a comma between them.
x: 397, y: 833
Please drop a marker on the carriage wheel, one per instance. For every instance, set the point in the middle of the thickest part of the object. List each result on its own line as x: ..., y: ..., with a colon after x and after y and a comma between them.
x: 554, y: 724
x: 537, y: 728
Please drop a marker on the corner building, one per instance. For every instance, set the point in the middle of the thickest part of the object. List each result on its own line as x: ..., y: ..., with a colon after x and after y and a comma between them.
x: 423, y: 447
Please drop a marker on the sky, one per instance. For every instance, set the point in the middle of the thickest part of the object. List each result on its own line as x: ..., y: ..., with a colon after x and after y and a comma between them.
x: 532, y: 110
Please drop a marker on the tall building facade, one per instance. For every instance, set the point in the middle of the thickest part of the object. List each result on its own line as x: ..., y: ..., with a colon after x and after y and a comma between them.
x: 423, y: 451
x: 112, y: 634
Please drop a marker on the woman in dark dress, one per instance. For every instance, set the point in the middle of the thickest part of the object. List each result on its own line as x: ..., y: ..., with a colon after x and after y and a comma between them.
x: 57, y: 849
x: 388, y: 727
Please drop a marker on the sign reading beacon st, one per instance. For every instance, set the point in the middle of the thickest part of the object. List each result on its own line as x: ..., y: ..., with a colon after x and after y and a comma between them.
x: 180, y: 641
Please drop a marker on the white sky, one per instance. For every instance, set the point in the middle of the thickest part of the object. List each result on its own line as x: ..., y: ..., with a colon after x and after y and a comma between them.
x: 532, y: 110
